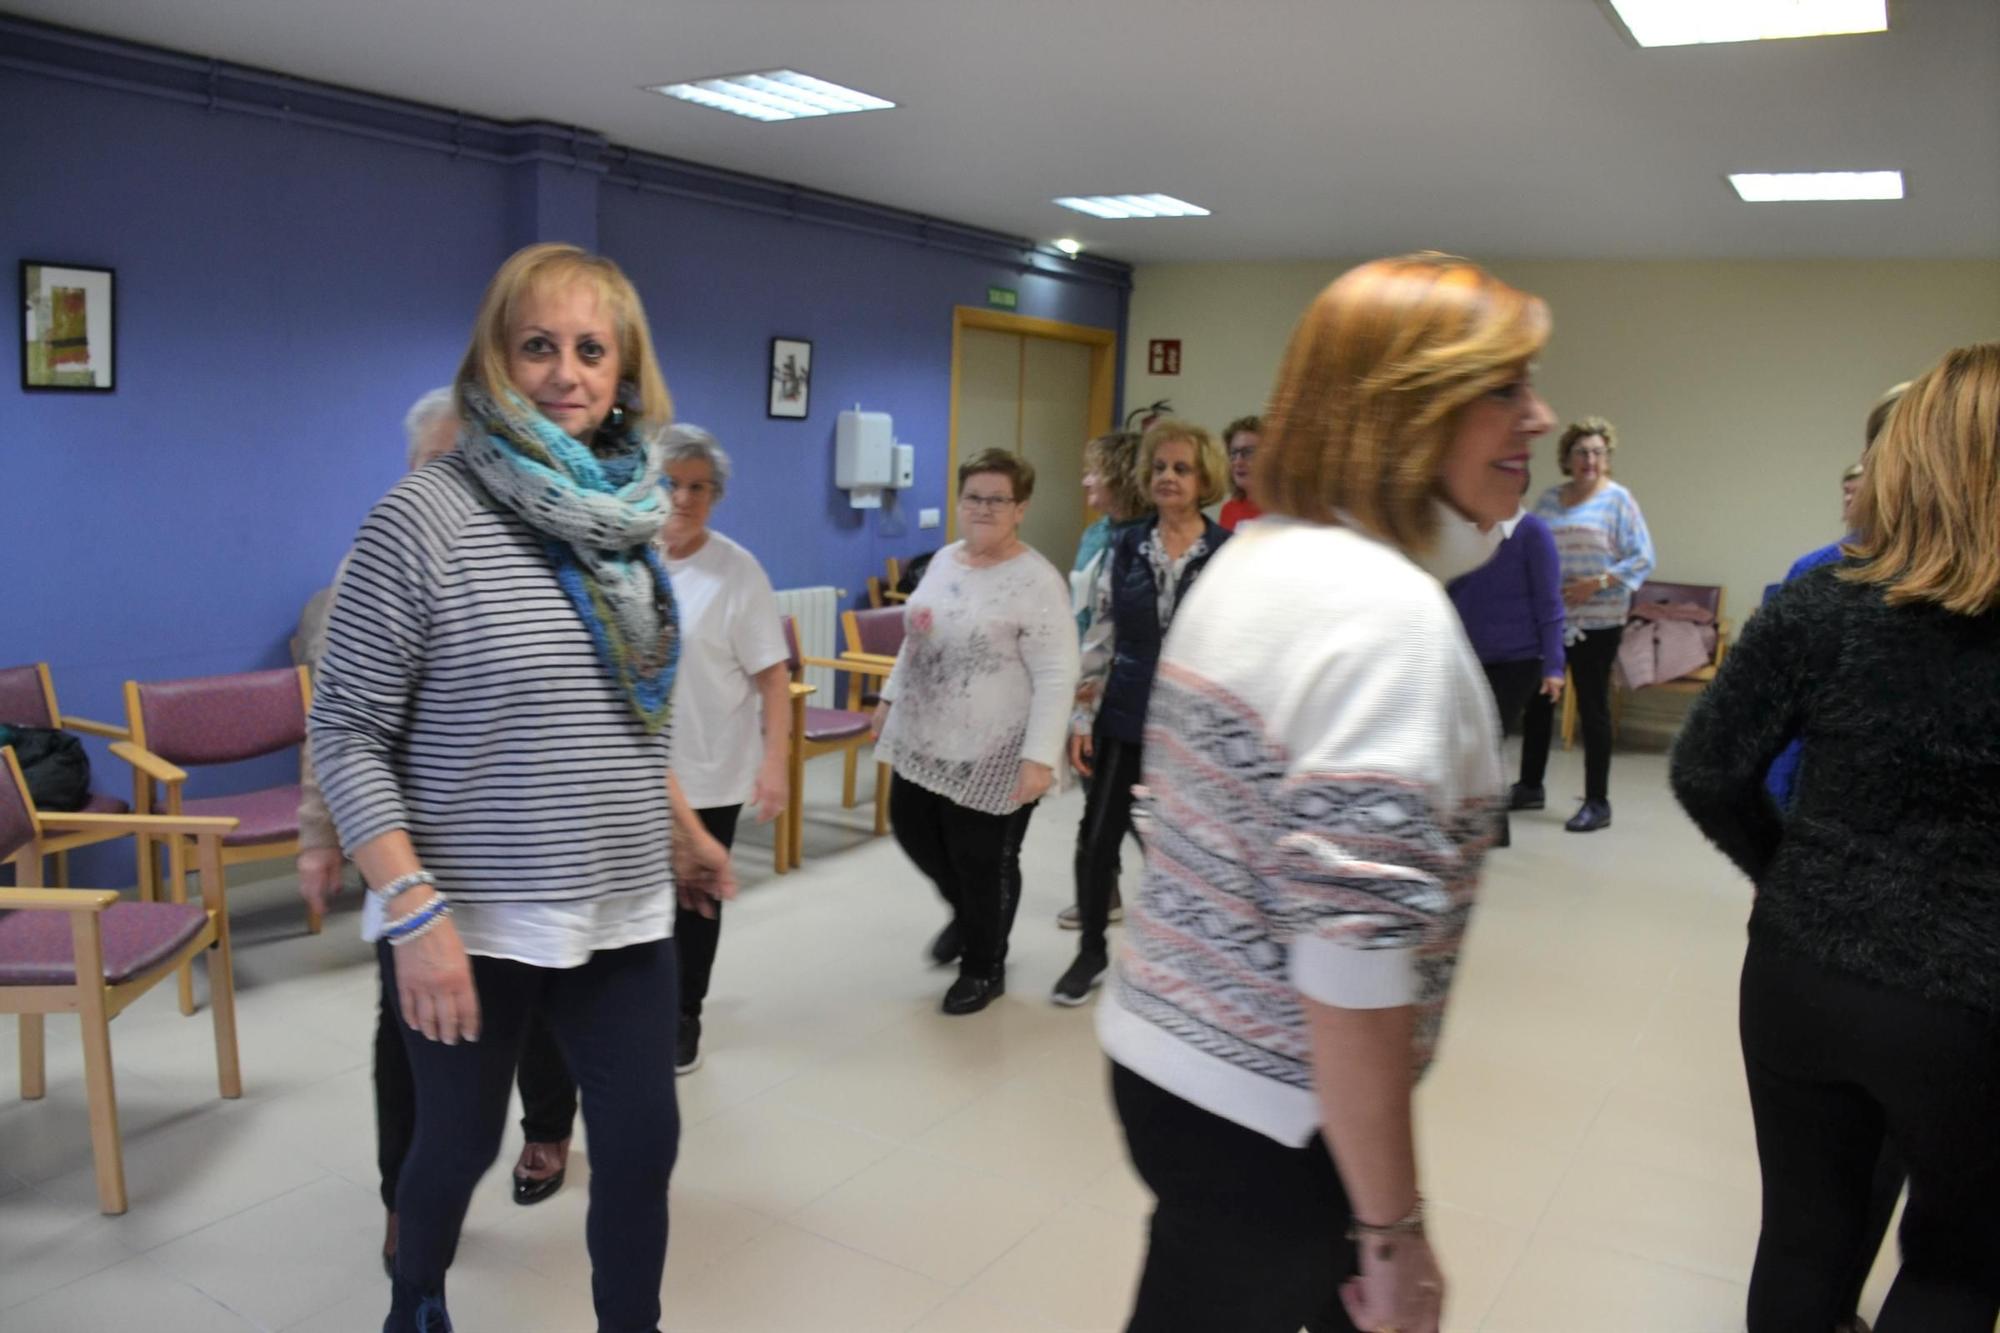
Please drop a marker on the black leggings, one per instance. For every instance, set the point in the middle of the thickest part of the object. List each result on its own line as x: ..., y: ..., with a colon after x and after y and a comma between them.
x: 1107, y: 818
x: 974, y: 859
x: 1590, y: 661
x: 1835, y: 1063
x: 1248, y: 1235
x: 614, y: 1020
x: 548, y: 1093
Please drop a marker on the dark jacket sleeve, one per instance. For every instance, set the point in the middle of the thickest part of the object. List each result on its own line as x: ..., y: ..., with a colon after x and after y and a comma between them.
x: 1742, y: 722
x: 1545, y: 593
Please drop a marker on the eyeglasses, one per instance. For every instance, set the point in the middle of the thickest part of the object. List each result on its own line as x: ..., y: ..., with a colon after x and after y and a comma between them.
x: 1236, y: 455
x: 1590, y: 451
x: 698, y: 489
x: 989, y: 503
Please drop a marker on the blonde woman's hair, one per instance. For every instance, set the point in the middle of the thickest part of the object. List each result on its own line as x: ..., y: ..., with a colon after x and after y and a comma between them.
x: 539, y: 268
x: 1211, y: 465
x: 1372, y: 384
x: 1878, y: 415
x: 1116, y: 459
x: 1583, y: 430
x: 1928, y: 509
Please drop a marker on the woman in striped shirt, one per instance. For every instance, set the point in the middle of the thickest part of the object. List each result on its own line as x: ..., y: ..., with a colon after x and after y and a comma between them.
x: 491, y: 731
x: 1606, y: 555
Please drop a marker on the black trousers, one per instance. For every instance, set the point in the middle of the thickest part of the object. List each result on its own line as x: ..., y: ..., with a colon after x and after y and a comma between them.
x: 974, y: 859
x: 1514, y: 685
x: 1835, y: 1063
x: 548, y: 1093
x: 1107, y: 818
x: 1248, y: 1235
x: 613, y: 1018
x: 1590, y: 661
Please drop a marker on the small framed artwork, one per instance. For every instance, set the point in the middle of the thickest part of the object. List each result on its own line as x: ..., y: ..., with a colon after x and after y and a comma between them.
x: 791, y: 377
x: 69, y: 339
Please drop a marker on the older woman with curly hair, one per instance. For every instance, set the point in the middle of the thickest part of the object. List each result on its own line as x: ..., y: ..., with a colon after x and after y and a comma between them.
x: 491, y: 732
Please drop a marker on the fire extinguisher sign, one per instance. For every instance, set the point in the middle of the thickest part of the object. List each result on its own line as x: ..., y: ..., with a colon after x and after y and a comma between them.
x: 1163, y: 356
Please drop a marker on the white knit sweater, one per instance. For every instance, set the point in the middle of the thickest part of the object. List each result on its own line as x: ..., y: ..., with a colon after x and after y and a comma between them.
x: 1320, y: 783
x: 984, y: 680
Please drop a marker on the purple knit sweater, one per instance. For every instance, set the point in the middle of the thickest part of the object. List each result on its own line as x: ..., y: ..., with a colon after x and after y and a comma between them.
x: 1512, y: 605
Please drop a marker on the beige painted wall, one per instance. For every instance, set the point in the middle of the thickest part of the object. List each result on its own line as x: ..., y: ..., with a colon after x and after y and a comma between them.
x: 1738, y: 388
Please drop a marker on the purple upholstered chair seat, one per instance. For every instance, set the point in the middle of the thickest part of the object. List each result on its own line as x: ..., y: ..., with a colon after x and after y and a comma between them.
x: 834, y: 724
x: 37, y: 949
x: 267, y: 816
x: 100, y: 804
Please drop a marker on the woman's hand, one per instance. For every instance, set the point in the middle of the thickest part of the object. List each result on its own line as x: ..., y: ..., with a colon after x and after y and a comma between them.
x: 434, y: 982
x: 1578, y: 591
x: 319, y: 877
x: 1399, y: 1286
x: 1081, y: 750
x: 1552, y: 688
x: 878, y: 719
x: 772, y: 792
x: 703, y: 873
x: 1035, y: 780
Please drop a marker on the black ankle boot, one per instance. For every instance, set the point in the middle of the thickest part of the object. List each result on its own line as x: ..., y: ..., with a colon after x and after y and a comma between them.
x: 1590, y: 817
x: 973, y: 991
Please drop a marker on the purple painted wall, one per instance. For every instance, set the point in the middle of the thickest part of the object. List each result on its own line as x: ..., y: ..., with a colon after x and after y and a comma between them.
x: 285, y: 291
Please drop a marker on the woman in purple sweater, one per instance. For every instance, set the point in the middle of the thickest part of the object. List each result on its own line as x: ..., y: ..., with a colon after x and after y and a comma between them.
x: 1512, y: 608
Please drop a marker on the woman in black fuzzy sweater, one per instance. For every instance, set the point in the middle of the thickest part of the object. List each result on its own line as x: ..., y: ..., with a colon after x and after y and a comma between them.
x: 1870, y: 998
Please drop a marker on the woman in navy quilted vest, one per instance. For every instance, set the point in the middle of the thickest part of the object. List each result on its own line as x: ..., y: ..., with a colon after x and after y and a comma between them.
x: 1150, y: 569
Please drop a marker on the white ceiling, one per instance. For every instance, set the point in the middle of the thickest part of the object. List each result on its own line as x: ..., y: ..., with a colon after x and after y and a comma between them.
x: 1312, y: 128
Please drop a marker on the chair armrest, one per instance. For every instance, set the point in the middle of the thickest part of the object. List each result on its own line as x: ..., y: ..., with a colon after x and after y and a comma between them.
x: 71, y: 722
x: 860, y: 666
x: 801, y: 691
x: 148, y: 763
x: 186, y: 825
x: 869, y: 659
x: 893, y: 596
x: 58, y: 900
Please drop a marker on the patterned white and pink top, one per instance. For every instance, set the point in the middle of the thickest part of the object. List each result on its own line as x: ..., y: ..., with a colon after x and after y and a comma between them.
x: 1320, y: 786
x: 984, y: 680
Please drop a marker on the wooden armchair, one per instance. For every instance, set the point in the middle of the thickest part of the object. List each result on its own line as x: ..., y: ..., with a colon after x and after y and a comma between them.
x: 1707, y: 595
x: 872, y: 638
x: 179, y: 724
x: 84, y: 952
x: 883, y: 591
x: 818, y: 731
x: 28, y: 699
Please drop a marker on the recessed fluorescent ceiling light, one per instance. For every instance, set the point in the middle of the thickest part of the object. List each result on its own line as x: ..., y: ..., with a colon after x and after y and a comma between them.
x: 1116, y: 207
x: 1788, y: 187
x: 1688, y: 22
x: 779, y: 94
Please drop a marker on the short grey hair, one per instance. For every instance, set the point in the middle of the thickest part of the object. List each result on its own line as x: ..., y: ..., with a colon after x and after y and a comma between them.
x: 422, y: 418
x: 692, y: 444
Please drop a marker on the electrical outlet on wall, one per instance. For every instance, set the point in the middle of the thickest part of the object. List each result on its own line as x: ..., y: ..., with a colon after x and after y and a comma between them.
x: 929, y: 518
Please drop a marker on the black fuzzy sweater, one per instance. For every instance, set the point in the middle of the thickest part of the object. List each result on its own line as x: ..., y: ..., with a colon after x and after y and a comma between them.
x: 1887, y: 867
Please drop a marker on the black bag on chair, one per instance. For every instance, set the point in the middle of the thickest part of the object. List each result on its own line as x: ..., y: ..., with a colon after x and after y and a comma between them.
x: 54, y: 762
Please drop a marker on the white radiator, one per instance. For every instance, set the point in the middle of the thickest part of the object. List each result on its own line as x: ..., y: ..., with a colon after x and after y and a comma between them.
x: 816, y: 611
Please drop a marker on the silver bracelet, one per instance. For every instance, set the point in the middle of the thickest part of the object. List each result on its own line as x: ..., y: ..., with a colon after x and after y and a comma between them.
x: 403, y: 884
x: 423, y: 928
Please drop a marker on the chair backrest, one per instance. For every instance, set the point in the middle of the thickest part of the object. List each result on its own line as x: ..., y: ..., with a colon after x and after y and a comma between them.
x: 17, y: 808
x: 1708, y: 596
x: 25, y: 696
x: 219, y: 719
x: 874, y: 631
x: 794, y: 659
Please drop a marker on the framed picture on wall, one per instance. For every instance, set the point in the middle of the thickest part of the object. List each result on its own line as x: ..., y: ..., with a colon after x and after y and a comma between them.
x: 69, y: 337
x: 791, y: 377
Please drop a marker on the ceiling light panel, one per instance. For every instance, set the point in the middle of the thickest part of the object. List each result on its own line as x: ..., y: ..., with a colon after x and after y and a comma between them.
x: 1118, y: 207
x: 1793, y: 187
x: 779, y: 94
x: 1689, y: 22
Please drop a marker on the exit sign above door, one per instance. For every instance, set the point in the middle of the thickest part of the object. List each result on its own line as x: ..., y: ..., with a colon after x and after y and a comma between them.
x: 1163, y: 356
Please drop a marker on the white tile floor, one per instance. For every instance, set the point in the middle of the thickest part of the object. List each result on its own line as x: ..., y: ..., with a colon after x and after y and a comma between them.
x: 854, y: 1162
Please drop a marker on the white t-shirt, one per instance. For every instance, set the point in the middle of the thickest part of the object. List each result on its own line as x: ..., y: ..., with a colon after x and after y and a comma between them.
x: 729, y: 632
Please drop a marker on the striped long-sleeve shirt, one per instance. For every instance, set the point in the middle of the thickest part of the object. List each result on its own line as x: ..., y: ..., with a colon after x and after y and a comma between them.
x: 462, y: 701
x: 1605, y: 535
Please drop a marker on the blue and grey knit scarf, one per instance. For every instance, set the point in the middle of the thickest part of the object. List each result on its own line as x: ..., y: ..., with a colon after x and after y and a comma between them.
x: 599, y: 516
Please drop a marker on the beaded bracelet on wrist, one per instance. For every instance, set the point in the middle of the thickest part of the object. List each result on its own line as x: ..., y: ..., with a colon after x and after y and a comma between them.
x: 416, y: 923
x: 404, y: 883
x: 1410, y: 1224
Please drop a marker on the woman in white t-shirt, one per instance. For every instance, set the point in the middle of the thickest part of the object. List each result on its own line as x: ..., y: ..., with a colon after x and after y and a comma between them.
x: 731, y: 714
x: 972, y: 717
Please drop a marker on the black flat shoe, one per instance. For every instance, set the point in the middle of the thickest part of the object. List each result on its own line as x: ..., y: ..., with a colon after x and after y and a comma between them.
x: 1592, y: 816
x: 1527, y: 797
x: 946, y: 948
x: 970, y: 994
x: 533, y: 1189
